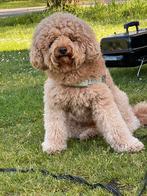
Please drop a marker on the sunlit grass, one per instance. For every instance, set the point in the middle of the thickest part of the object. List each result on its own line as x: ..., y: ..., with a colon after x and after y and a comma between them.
x: 15, y: 38
x: 7, y: 4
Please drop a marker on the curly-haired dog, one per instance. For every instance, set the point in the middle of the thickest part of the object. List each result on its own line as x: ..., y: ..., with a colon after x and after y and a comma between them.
x: 81, y: 99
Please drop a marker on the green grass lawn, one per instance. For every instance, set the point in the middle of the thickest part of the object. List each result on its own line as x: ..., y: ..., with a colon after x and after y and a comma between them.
x: 21, y: 123
x: 7, y: 4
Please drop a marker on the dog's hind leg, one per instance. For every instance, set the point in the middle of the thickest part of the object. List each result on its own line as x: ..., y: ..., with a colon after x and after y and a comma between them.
x: 110, y: 123
x: 89, y: 132
x: 140, y: 111
x: 122, y: 102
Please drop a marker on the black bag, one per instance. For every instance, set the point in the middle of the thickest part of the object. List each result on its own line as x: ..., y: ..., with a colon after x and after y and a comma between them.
x: 127, y: 49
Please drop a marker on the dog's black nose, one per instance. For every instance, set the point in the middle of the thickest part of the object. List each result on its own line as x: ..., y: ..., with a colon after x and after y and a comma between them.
x: 63, y: 50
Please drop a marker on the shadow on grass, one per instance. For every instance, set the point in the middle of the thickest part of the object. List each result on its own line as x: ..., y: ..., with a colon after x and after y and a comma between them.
x: 129, y: 73
x: 16, y: 62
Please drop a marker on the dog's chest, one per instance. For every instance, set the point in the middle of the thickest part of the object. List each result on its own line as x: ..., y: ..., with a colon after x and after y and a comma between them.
x: 79, y: 105
x: 80, y: 113
x: 76, y: 102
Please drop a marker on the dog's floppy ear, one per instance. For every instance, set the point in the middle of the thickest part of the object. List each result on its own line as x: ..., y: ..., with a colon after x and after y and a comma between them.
x: 92, y: 50
x: 36, y: 58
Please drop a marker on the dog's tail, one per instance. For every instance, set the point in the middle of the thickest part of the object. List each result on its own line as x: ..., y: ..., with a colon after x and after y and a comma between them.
x: 140, y: 111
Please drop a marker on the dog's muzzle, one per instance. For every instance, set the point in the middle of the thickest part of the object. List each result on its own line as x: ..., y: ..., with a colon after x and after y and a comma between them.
x: 62, y: 51
x: 64, y: 55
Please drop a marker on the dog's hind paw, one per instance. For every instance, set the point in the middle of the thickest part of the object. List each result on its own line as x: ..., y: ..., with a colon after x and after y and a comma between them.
x: 88, y: 133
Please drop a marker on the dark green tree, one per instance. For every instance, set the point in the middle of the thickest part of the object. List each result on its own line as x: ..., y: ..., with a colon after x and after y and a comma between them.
x: 60, y: 3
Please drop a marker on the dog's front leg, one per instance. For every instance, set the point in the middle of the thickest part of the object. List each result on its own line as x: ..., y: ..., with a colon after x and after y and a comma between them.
x: 55, y: 130
x: 111, y: 124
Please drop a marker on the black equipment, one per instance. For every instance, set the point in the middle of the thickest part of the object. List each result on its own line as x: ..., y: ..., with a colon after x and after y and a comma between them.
x: 127, y: 49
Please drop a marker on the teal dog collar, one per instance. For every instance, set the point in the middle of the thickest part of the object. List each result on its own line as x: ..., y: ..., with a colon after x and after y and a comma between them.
x: 86, y: 83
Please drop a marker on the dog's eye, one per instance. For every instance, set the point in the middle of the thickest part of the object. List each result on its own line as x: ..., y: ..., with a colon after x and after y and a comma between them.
x: 73, y: 39
x: 50, y: 44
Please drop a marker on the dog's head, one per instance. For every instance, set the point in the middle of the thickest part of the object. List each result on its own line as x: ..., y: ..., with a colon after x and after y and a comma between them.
x: 63, y: 43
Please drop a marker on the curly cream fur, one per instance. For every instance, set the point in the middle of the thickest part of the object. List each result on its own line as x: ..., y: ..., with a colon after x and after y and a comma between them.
x: 79, y: 112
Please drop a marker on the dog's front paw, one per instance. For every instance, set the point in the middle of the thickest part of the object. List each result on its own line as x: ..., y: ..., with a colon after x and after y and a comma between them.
x: 52, y: 148
x: 133, y: 145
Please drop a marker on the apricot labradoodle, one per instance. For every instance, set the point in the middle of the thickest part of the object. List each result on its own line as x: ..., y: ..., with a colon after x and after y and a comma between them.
x: 80, y: 97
